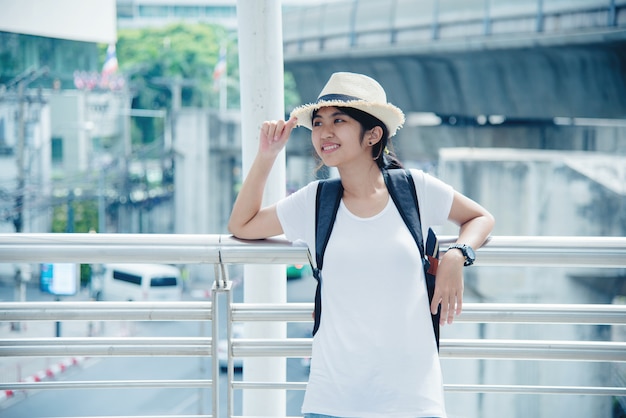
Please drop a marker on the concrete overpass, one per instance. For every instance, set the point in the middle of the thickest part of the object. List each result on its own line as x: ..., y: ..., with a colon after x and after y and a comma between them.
x: 528, y: 60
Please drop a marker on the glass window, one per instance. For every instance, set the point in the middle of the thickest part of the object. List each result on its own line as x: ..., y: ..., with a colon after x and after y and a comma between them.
x: 163, y: 281
x: 57, y: 150
x: 125, y: 277
x: 221, y: 11
x: 153, y: 11
x: 186, y: 11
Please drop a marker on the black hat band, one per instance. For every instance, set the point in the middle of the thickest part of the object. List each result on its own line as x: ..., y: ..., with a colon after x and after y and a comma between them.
x: 339, y: 97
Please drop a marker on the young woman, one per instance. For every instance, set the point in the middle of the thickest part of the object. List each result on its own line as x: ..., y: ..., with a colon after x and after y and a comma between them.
x: 374, y: 354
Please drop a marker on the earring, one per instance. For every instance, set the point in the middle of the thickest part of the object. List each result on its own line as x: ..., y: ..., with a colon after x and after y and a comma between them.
x: 370, y: 143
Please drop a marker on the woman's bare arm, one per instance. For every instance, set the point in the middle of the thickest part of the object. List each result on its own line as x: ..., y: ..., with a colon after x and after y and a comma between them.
x: 476, y: 223
x: 248, y: 220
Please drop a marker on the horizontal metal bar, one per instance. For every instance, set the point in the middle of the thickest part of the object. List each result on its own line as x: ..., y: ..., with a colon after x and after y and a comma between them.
x: 269, y: 385
x: 150, y: 416
x: 600, y: 252
x: 256, y: 416
x: 457, y: 348
x: 296, y: 312
x: 534, y: 350
x: 112, y: 351
x: 267, y: 251
x: 106, y: 347
x: 105, y: 311
x: 243, y: 385
x: 145, y: 248
x: 104, y: 248
x: 290, y: 347
x: 537, y: 390
x: 108, y: 384
x: 519, y: 389
x: 544, y: 313
x: 472, y: 312
x: 105, y: 341
x: 292, y: 312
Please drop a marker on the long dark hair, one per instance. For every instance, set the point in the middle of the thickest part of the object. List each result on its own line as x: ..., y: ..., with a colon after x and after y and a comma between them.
x: 382, y: 152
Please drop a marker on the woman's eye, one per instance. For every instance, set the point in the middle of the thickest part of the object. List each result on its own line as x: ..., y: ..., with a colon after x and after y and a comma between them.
x: 316, y: 123
x: 338, y: 120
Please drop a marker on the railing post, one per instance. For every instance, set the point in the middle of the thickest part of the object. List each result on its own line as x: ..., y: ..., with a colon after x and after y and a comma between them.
x: 353, y: 36
x: 215, y: 332
x: 435, y: 23
x: 487, y: 18
x: 612, y: 19
x: 539, y: 27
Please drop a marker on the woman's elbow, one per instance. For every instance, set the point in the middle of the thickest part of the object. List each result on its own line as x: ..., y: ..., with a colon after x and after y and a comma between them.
x: 486, y: 222
x: 490, y: 221
x: 263, y: 225
x: 236, y: 229
x: 244, y: 231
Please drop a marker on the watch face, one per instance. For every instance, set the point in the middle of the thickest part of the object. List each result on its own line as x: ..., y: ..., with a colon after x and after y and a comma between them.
x: 470, y: 252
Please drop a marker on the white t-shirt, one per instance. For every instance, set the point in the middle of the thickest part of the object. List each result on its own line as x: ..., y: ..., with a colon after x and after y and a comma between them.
x: 374, y: 354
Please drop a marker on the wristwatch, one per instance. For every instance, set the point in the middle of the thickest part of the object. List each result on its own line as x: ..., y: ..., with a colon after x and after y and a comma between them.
x: 467, y: 251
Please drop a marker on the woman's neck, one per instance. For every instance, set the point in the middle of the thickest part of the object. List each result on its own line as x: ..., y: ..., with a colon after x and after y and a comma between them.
x: 361, y: 181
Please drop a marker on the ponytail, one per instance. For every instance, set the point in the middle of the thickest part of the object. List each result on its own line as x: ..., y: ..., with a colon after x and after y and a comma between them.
x: 389, y: 160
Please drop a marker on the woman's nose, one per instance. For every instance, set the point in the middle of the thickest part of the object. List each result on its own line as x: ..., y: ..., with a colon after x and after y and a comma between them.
x: 326, y: 131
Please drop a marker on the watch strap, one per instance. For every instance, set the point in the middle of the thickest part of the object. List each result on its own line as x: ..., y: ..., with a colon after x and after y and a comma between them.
x: 463, y: 247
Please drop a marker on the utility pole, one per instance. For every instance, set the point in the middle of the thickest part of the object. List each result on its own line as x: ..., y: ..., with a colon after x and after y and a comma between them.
x: 18, y: 217
x: 22, y: 271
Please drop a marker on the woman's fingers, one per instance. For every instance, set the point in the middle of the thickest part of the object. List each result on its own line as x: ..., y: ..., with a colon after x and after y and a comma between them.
x: 277, y: 130
x: 450, y: 303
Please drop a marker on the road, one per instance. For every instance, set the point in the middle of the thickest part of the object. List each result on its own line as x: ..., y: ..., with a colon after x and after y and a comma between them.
x: 166, y: 401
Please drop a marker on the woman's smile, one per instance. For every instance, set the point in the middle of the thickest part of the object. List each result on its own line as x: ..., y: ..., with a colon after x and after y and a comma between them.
x: 329, y: 147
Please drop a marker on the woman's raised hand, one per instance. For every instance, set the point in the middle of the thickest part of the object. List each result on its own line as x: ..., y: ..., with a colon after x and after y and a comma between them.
x: 274, y: 135
x: 248, y: 219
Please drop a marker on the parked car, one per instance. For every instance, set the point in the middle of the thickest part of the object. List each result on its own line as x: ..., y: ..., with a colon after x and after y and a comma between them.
x: 140, y: 282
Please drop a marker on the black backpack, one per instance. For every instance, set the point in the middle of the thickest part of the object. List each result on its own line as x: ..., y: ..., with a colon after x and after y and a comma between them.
x: 402, y: 191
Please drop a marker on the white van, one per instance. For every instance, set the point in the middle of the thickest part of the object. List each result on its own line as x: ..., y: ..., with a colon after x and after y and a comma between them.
x: 141, y: 282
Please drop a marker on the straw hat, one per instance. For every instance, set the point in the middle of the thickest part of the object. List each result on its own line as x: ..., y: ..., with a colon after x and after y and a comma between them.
x: 353, y: 90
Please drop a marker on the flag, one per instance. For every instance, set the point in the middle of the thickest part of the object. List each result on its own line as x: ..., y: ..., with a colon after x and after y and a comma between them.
x: 110, y: 62
x: 220, y: 68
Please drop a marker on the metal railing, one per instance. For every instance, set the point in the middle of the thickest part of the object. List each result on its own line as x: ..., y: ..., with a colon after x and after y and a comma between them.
x: 364, y: 24
x: 220, y: 251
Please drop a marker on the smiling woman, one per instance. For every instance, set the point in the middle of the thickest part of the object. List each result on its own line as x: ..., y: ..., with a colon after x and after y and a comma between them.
x: 356, y: 319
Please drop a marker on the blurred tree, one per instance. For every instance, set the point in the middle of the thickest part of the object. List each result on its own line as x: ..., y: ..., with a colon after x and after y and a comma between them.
x: 292, y: 98
x: 154, y: 59
x: 84, y: 218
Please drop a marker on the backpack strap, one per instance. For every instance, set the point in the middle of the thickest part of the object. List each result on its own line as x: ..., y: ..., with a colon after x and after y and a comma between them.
x: 402, y: 191
x: 329, y: 193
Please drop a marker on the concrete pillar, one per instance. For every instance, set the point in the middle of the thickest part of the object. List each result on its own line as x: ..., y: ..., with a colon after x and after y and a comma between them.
x: 261, y: 75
